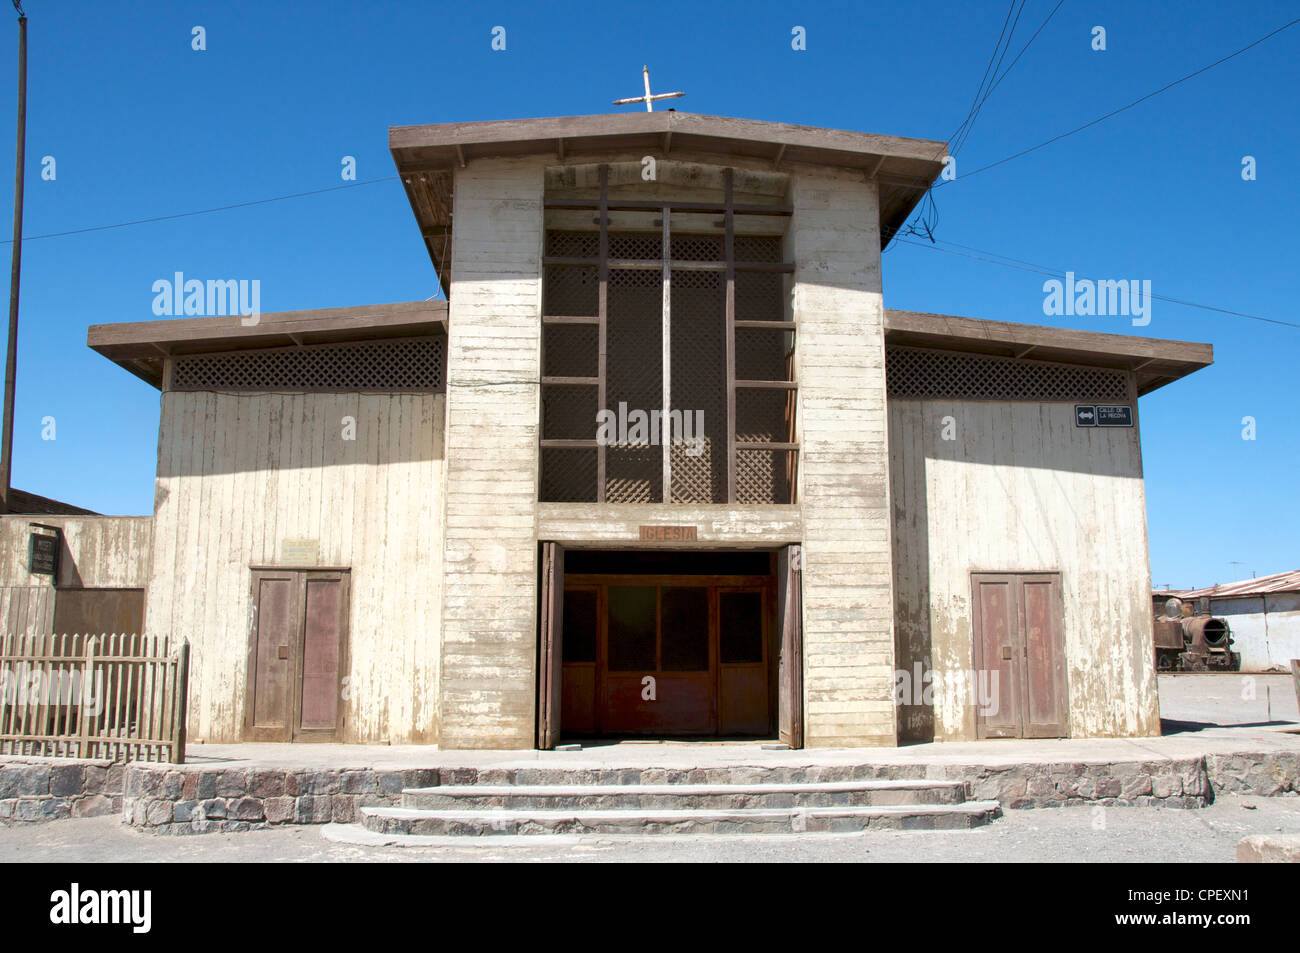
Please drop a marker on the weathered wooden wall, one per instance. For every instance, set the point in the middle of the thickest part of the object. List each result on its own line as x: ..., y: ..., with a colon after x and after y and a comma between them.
x: 489, y: 609
x: 1022, y: 489
x: 238, y: 474
x: 99, y: 552
x: 843, y: 479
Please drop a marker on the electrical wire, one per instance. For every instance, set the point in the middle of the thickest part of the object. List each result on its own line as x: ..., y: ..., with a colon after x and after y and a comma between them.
x: 1116, y: 112
x: 201, y: 211
x: 1021, y: 265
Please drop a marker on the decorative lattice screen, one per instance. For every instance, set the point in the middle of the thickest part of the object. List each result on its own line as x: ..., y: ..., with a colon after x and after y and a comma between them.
x: 407, y: 364
x: 923, y: 374
x: 634, y: 369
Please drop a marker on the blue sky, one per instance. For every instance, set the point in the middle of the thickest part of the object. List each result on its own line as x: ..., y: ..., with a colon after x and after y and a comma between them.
x: 141, y: 125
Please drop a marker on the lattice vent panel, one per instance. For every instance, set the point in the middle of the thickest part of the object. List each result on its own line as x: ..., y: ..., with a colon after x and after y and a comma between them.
x: 765, y: 476
x: 409, y: 364
x: 570, y: 350
x: 634, y: 364
x: 760, y: 296
x: 572, y: 244
x: 569, y: 412
x: 571, y: 290
x: 923, y: 374
x: 758, y: 248
x: 568, y: 476
x: 699, y: 467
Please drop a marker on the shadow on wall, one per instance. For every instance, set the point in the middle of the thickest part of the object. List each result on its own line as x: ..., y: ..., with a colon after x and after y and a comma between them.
x: 984, y: 434
x: 205, y: 433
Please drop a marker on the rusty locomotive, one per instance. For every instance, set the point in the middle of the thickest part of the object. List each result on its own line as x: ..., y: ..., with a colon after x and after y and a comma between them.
x: 1193, y: 641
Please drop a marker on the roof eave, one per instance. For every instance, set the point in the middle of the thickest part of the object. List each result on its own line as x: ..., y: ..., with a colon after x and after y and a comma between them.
x: 1155, y: 362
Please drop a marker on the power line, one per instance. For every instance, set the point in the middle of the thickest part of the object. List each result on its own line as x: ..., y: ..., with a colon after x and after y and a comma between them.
x: 1021, y: 265
x: 989, y: 71
x: 204, y: 211
x: 1116, y: 112
x: 1023, y: 48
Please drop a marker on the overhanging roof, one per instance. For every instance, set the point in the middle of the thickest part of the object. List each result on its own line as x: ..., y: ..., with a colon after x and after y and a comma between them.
x: 426, y: 156
x: 1155, y: 361
x: 141, y: 346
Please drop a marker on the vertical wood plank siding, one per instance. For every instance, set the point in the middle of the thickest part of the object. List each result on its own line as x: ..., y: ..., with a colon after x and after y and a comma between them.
x: 1022, y: 489
x: 239, y: 473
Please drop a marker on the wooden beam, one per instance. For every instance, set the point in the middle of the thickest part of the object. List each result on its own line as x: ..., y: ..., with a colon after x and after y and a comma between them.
x: 776, y: 160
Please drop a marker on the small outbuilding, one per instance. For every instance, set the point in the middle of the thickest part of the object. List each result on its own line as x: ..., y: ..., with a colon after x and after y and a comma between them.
x: 1263, y: 615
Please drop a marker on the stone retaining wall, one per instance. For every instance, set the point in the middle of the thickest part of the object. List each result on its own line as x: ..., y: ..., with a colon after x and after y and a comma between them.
x: 198, y: 799
x: 1246, y: 772
x: 49, y: 789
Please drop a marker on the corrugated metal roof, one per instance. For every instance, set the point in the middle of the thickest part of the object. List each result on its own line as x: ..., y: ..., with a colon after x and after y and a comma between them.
x: 1278, y: 582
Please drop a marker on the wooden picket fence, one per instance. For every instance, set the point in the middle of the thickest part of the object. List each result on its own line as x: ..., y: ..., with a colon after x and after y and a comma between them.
x: 113, y: 697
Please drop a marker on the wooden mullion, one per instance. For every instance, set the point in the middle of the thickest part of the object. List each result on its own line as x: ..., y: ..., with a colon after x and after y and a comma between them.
x: 759, y: 445
x: 602, y: 317
x: 729, y: 255
x: 765, y: 325
x: 665, y: 443
x: 766, y: 385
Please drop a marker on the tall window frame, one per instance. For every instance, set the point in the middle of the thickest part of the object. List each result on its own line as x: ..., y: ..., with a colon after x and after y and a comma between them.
x: 728, y: 266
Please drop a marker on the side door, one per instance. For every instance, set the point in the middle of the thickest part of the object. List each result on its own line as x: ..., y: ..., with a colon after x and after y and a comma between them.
x: 272, y: 656
x: 298, y: 652
x: 998, y: 655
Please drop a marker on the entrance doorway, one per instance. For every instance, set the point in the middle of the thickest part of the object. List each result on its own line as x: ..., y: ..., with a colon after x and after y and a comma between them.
x: 661, y: 644
x: 1019, y: 632
x: 297, y: 655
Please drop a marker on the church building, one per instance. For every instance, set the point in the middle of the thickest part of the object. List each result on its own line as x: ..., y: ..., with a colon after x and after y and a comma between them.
x: 661, y: 465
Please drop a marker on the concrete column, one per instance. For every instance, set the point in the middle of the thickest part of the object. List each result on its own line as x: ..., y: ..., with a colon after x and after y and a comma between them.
x: 489, y: 622
x: 844, y: 457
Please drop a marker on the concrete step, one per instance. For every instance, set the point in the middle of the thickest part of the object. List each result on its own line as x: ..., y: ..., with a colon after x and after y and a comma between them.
x: 553, y: 797
x: 403, y: 821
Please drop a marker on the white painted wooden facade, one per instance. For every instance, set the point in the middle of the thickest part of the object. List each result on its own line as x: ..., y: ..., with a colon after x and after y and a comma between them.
x: 434, y: 507
x: 238, y: 474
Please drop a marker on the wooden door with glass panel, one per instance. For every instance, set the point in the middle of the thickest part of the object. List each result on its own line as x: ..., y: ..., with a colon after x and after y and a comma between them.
x: 666, y: 656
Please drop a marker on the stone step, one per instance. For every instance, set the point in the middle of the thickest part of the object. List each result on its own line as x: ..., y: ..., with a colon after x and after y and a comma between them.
x: 533, y: 773
x: 401, y: 821
x: 683, y: 796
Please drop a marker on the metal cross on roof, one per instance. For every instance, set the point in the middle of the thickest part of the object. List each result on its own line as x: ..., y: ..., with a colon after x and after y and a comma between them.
x: 648, y: 99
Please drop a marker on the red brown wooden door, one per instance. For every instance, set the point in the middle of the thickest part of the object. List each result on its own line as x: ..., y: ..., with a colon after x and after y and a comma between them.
x: 1019, y: 684
x: 667, y: 655
x: 297, y: 654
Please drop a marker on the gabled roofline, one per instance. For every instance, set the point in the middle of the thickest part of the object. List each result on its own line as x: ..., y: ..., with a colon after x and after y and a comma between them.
x: 427, y: 156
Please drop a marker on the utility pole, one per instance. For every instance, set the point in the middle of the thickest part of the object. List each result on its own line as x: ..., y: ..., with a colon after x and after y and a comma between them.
x: 11, y: 354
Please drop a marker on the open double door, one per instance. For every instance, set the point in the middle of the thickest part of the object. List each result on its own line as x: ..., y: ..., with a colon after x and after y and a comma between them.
x: 669, y: 655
